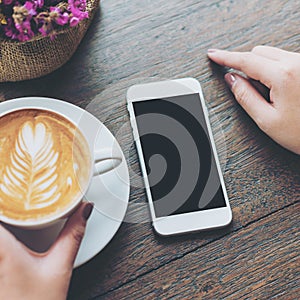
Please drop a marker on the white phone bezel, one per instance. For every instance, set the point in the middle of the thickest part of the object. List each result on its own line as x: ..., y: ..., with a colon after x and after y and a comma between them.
x: 188, y: 222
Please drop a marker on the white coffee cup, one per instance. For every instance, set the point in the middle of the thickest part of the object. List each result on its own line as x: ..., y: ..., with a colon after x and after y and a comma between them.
x: 98, y: 162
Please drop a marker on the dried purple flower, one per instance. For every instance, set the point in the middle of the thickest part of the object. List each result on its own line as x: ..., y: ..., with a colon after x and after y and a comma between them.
x: 23, y: 19
x: 38, y: 3
x: 78, y: 11
x: 44, y: 23
x: 58, y: 16
x: 10, y: 30
x: 22, y: 16
x: 7, y: 2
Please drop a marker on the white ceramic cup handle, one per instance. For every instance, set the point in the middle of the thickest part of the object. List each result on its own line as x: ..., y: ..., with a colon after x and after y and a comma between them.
x: 105, y: 161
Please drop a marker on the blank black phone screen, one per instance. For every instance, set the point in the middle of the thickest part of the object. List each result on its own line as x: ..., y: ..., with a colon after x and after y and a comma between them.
x: 180, y: 163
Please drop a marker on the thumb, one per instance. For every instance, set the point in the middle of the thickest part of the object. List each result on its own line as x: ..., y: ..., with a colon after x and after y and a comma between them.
x: 261, y: 111
x: 63, y: 252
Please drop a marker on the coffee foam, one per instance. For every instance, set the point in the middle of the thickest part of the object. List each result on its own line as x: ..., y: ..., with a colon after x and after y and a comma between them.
x: 44, y: 164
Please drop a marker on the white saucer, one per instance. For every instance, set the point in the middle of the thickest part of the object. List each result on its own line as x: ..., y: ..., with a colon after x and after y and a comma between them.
x: 109, y: 192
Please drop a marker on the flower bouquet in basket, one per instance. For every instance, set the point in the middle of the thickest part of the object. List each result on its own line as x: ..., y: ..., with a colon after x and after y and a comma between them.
x: 38, y: 36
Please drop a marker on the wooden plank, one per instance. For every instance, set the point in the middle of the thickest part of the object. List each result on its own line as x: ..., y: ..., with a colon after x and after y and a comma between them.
x: 255, y: 186
x: 259, y: 261
x: 142, y: 39
x: 261, y: 177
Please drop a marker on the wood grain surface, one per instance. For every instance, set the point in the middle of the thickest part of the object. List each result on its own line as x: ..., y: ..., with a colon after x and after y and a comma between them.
x: 132, y: 41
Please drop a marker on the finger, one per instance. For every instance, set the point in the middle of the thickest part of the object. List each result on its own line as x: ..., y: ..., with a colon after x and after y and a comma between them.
x: 8, y: 241
x: 63, y: 252
x: 270, y: 52
x: 254, y: 66
x: 12, y: 243
x: 262, y: 112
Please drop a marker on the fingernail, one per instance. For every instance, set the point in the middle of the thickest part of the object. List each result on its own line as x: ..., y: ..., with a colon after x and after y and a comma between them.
x: 87, y: 210
x: 230, y: 79
x: 210, y: 51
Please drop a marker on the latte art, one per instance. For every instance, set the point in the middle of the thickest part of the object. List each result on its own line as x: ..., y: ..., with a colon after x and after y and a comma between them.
x: 32, y: 168
x: 41, y: 156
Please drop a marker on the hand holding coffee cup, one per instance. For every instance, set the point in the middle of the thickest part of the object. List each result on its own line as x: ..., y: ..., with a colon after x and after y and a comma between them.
x: 46, y: 166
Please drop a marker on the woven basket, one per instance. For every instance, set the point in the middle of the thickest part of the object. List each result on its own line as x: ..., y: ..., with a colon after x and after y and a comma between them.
x: 41, y: 56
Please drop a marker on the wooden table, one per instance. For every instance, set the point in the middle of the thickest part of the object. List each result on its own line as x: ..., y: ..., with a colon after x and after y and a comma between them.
x: 257, y: 256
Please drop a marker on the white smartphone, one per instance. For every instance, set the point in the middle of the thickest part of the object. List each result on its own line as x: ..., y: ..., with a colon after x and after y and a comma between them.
x: 178, y: 157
